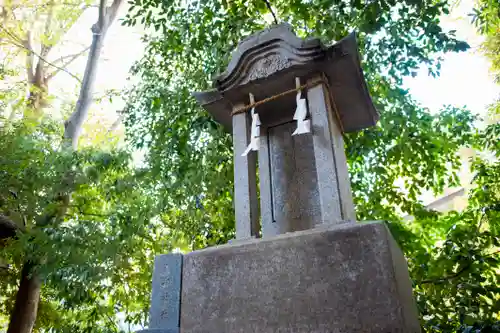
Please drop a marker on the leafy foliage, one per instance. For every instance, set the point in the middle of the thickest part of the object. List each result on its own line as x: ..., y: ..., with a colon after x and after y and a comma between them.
x: 454, y: 258
x: 487, y: 18
x: 95, y: 256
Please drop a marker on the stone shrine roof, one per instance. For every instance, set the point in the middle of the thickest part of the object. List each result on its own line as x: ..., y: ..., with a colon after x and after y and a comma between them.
x: 266, y: 64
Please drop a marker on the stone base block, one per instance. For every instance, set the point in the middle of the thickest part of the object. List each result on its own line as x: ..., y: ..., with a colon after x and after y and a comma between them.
x: 347, y: 278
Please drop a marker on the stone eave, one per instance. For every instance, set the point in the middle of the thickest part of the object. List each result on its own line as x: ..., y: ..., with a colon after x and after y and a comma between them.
x: 340, y: 63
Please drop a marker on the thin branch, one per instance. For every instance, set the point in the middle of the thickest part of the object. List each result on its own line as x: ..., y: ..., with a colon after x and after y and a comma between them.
x: 46, y: 48
x: 12, y: 35
x: 268, y: 5
x: 90, y: 214
x: 111, y: 321
x: 29, y: 58
x: 458, y: 273
x: 492, y: 253
x: 14, y: 83
x: 84, y: 7
x: 80, y: 211
x: 6, y: 57
x: 46, y: 61
x: 5, y: 15
x: 448, y: 277
x: 72, y: 58
x: 480, y: 224
x: 116, y: 123
x: 80, y: 6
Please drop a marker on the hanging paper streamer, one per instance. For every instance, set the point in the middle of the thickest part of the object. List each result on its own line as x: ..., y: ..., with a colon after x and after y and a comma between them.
x: 255, y: 131
x: 303, y: 125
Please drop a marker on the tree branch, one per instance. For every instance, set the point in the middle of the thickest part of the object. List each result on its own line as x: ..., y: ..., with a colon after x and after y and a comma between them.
x: 29, y: 58
x: 12, y: 35
x: 46, y: 48
x: 492, y: 253
x: 73, y: 126
x: 43, y: 5
x: 112, y: 11
x: 458, y: 273
x: 8, y: 228
x: 116, y: 123
x: 268, y: 5
x: 448, y: 277
x: 102, y: 14
x: 80, y: 211
x: 72, y: 58
x: 90, y: 214
x: 4, y: 14
x: 45, y: 60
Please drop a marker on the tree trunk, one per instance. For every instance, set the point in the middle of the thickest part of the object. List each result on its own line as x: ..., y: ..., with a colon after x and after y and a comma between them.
x: 74, y: 124
x: 37, y: 98
x: 23, y: 316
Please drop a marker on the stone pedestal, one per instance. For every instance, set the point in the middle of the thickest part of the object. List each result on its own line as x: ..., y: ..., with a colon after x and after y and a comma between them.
x: 344, y: 278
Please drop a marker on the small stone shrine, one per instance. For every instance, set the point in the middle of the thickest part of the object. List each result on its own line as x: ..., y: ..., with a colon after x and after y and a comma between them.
x: 299, y: 263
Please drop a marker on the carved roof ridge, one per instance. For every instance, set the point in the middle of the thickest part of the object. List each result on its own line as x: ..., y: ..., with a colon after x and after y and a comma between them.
x: 277, y: 37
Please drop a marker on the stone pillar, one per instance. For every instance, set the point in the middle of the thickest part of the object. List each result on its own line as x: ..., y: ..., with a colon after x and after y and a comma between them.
x: 164, y: 316
x: 245, y: 182
x: 333, y: 179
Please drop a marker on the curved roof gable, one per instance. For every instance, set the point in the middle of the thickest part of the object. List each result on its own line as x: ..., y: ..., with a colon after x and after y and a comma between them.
x: 266, y: 64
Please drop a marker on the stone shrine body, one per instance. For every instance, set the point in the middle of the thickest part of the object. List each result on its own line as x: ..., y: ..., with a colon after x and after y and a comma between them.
x: 299, y: 263
x: 303, y: 178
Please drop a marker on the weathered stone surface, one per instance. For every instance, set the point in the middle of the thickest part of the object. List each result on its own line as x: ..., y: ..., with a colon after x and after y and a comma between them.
x: 256, y: 56
x: 348, y: 278
x: 166, y: 293
x: 333, y: 178
x: 291, y: 203
x: 245, y: 180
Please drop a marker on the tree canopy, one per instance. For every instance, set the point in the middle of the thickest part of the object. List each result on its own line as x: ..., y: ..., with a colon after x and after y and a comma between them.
x: 70, y: 209
x: 85, y: 256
